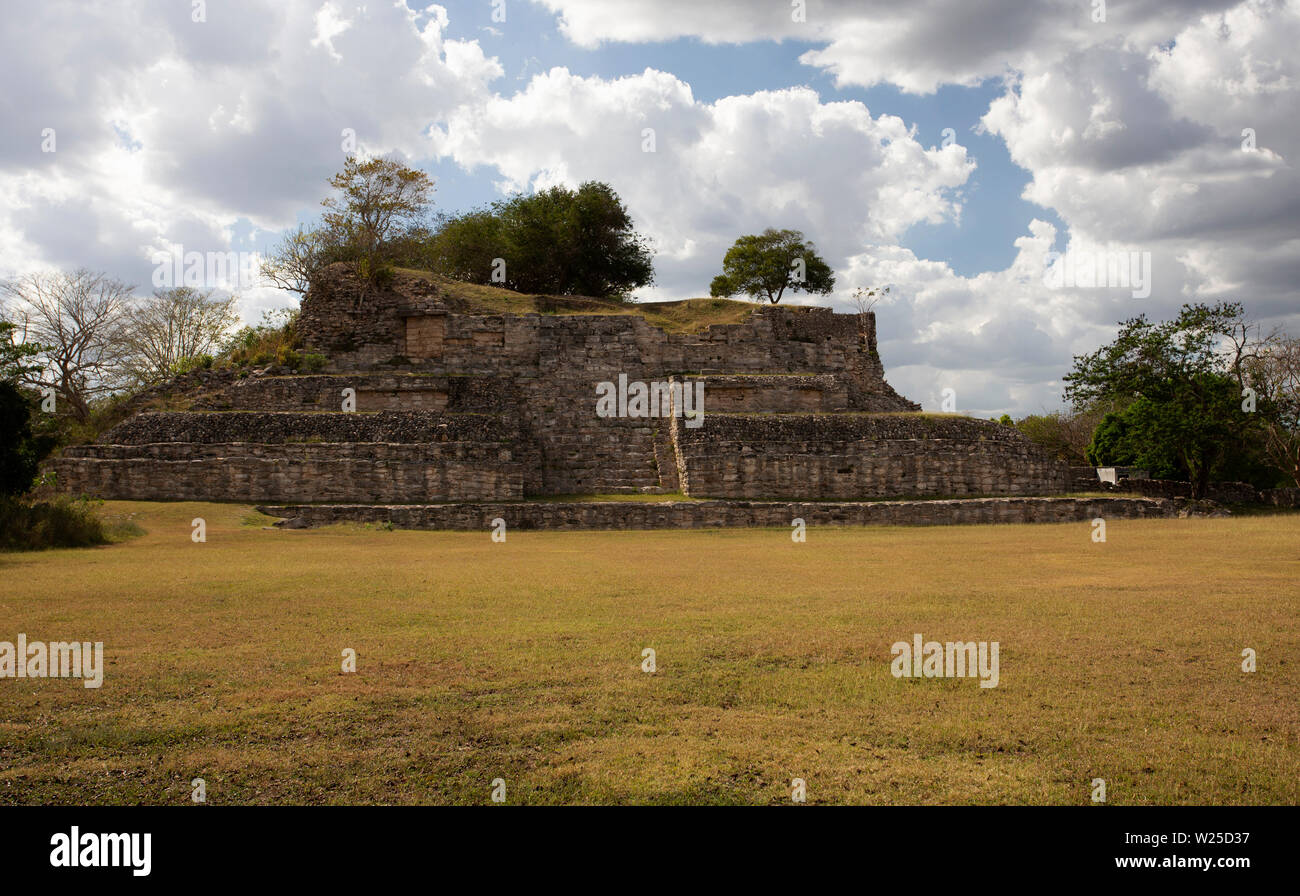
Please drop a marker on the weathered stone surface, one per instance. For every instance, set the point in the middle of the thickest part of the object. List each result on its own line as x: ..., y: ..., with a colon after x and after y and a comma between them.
x: 848, y: 457
x: 1188, y: 507
x: 309, y: 471
x: 460, y: 406
x: 276, y: 427
x: 1281, y: 497
x: 478, y: 394
x: 1222, y: 492
x: 720, y: 514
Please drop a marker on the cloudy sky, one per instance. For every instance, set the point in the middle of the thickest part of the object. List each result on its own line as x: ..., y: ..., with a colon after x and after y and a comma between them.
x: 941, y: 147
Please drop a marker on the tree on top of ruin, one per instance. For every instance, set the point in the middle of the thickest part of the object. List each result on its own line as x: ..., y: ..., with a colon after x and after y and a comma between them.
x: 379, y: 205
x: 767, y: 264
x: 376, y: 200
x: 559, y: 241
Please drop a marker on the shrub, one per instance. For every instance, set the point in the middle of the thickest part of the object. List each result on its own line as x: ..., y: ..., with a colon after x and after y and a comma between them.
x: 266, y: 343
x: 104, y: 415
x: 198, y: 362
x: 59, y: 523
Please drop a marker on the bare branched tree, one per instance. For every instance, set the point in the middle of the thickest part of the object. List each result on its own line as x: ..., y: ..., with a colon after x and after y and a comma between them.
x: 76, y: 319
x: 1272, y: 369
x: 171, y: 327
x: 293, y: 263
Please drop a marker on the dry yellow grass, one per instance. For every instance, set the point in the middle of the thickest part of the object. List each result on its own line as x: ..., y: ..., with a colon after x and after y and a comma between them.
x: 683, y: 316
x: 522, y: 661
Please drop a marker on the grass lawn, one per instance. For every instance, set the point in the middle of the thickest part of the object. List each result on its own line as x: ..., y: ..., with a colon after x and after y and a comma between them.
x: 522, y: 661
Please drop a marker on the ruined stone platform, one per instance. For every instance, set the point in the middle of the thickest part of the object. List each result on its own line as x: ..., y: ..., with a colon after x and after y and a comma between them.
x: 424, y: 399
x: 590, y: 515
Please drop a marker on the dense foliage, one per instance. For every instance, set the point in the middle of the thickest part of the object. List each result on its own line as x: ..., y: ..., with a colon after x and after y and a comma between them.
x: 1178, y: 388
x: 21, y: 448
x: 765, y: 265
x: 556, y: 242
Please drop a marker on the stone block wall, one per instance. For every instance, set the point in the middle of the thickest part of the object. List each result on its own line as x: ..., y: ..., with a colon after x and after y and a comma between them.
x: 783, y: 394
x: 412, y: 322
x: 374, y: 392
x: 850, y: 457
x: 778, y: 360
x: 1223, y: 492
x: 559, y: 516
x: 1281, y: 497
x: 308, y: 472
x: 455, y: 406
x: 280, y: 427
x: 249, y: 456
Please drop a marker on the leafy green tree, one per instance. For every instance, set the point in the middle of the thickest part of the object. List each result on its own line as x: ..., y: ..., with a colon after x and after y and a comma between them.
x: 17, y: 359
x: 767, y: 264
x: 465, y: 245
x: 21, y: 449
x: 1183, y: 405
x: 557, y: 242
x: 375, y: 199
x: 1110, y: 446
x: 1138, y: 436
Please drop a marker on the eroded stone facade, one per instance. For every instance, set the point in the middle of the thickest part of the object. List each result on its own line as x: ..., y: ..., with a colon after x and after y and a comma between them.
x: 577, y: 515
x: 456, y: 405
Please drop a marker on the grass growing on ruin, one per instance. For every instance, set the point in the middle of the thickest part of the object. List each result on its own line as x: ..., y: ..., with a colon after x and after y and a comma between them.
x: 523, y: 660
x: 685, y: 316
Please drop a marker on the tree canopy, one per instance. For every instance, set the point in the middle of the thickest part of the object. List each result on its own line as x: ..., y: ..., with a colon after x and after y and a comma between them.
x: 21, y: 449
x: 1272, y: 370
x: 556, y: 242
x: 172, y: 327
x: 1063, y: 434
x: 375, y: 200
x: 767, y: 264
x: 1180, y: 396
